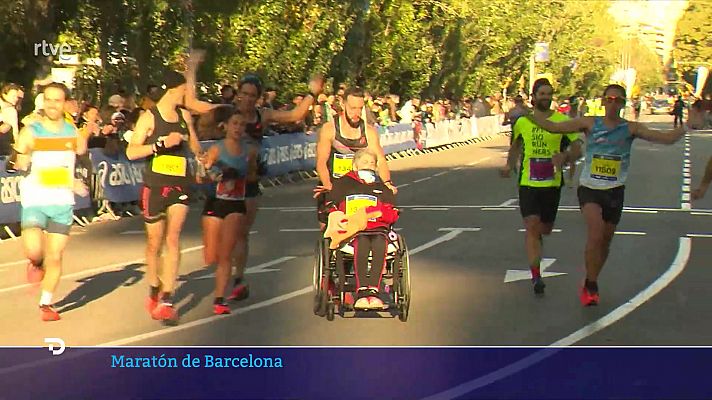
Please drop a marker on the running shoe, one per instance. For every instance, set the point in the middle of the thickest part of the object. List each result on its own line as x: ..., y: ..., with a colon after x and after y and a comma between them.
x: 164, y: 312
x: 151, y: 304
x: 239, y: 292
x: 588, y: 298
x: 539, y: 285
x: 221, y: 309
x: 49, y: 314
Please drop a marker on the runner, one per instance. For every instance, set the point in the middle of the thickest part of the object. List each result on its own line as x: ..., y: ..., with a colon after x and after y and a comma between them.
x: 249, y: 90
x: 540, y: 177
x: 164, y: 135
x: 230, y: 163
x: 47, y: 150
x: 339, y: 140
x: 603, y: 177
x: 705, y: 184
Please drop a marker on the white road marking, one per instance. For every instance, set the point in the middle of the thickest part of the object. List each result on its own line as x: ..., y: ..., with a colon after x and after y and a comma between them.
x: 266, y: 303
x: 678, y: 265
x: 513, y: 275
x: 687, y: 181
x: 686, y: 197
x: 403, y: 185
x: 480, y: 161
x: 632, y: 233
x: 509, y: 202
x: 685, y: 188
x: 423, y: 179
x: 685, y: 206
x: 441, y: 173
x: 692, y: 213
x: 699, y: 235
x: 141, y: 232
x: 258, y: 269
x: 641, y: 211
x: 498, y: 209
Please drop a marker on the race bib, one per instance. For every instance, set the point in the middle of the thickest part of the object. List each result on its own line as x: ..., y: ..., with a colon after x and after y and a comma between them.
x: 170, y: 165
x: 605, y: 167
x: 59, y: 177
x: 356, y: 201
x: 541, y: 169
x: 231, y: 189
x: 343, y: 164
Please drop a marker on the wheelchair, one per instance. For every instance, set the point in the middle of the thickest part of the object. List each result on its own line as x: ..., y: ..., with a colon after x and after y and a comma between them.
x: 334, y: 277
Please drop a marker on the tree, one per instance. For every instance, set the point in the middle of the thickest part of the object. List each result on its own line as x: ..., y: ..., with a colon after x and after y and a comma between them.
x: 693, y: 39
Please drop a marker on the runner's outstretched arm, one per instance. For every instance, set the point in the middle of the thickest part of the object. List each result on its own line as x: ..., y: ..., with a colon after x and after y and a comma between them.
x: 191, y: 99
x: 581, y: 124
x: 668, y: 136
x: 316, y: 86
x: 705, y: 184
x: 137, y: 149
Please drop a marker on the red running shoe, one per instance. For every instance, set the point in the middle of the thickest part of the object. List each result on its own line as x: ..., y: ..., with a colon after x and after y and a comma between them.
x: 151, y: 304
x: 165, y: 312
x: 239, y: 292
x: 221, y: 309
x: 588, y: 298
x: 49, y: 314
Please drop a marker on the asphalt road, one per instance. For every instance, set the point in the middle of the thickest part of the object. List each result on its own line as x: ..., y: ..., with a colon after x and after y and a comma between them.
x: 653, y: 289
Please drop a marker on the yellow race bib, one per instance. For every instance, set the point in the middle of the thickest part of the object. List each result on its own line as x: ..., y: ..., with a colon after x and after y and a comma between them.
x: 343, y: 164
x: 356, y: 201
x: 605, y: 167
x: 170, y: 165
x: 58, y: 177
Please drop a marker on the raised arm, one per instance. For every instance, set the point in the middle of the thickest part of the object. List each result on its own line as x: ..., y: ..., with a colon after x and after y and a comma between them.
x: 191, y: 101
x: 316, y: 85
x: 668, y: 136
x: 581, y: 124
x: 193, y: 141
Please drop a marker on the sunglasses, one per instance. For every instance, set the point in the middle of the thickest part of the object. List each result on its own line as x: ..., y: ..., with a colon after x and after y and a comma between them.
x: 615, y: 99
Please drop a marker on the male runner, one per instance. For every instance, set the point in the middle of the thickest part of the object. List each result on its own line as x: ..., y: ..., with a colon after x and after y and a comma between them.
x: 540, y: 176
x: 340, y: 139
x: 46, y: 151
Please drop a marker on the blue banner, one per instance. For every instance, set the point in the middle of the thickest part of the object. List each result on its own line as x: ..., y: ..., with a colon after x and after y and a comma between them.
x: 355, y: 373
x: 10, y: 195
x: 119, y: 179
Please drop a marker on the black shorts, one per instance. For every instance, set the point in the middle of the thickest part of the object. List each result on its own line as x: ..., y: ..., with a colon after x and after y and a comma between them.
x: 610, y: 200
x: 156, y: 200
x: 252, y: 190
x: 543, y: 202
x: 220, y: 208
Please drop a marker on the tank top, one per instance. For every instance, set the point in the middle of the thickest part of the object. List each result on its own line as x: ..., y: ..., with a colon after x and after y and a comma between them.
x: 607, y: 156
x: 234, y: 171
x: 51, y: 177
x: 343, y: 149
x: 170, y: 167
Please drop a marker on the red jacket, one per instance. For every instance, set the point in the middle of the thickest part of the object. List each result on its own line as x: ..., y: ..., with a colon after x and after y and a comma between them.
x: 350, y: 192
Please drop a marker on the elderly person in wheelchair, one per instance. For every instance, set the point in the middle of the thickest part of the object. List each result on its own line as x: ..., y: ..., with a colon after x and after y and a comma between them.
x: 360, y: 212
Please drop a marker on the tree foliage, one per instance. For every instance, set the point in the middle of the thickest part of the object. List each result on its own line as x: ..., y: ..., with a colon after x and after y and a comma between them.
x: 694, y: 39
x: 429, y: 47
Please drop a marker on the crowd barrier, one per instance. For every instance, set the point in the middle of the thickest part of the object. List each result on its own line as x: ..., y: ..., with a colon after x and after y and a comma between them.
x: 118, y: 180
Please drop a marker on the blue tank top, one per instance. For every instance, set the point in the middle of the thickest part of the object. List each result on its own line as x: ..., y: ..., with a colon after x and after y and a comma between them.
x: 607, y: 156
x: 234, y: 172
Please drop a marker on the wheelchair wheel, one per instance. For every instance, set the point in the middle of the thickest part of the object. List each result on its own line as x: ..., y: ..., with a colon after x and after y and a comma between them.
x: 330, y: 311
x: 402, y: 293
x: 320, y: 281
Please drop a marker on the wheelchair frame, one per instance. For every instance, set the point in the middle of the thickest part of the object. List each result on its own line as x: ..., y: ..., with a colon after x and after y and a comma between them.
x: 330, y: 266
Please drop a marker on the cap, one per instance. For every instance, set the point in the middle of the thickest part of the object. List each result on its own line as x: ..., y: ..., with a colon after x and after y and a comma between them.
x: 115, y: 100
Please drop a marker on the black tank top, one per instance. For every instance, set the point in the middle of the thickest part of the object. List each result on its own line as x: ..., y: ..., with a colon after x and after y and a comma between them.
x: 170, y: 167
x: 343, y: 149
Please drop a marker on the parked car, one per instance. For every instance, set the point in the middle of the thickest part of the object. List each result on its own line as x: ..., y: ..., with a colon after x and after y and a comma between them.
x: 660, y: 106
